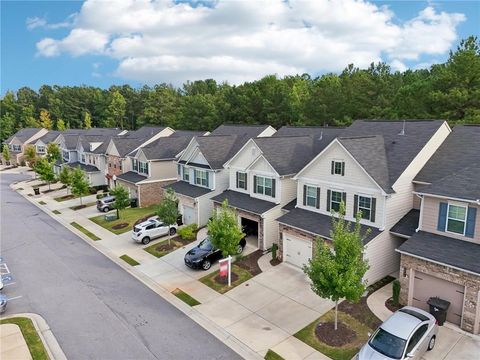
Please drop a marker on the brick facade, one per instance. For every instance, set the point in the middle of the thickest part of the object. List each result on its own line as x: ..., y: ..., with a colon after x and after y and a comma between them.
x: 113, y: 165
x: 470, y: 281
x: 151, y: 193
x: 297, y: 233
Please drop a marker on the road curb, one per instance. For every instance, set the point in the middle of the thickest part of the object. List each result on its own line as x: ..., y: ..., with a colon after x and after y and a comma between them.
x: 49, y: 340
x: 232, y: 342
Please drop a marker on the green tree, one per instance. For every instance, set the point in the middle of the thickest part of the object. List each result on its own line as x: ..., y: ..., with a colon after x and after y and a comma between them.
x: 167, y: 210
x: 6, y: 154
x: 65, y: 176
x: 224, y: 231
x: 79, y: 183
x: 7, y: 125
x: 53, y: 152
x: 87, y: 120
x: 122, y: 199
x: 45, y: 120
x: 30, y: 155
x: 337, y: 271
x: 61, y: 125
x: 45, y: 171
x: 116, y: 111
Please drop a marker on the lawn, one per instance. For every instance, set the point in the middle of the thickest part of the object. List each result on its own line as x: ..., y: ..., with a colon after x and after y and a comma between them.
x: 128, y: 217
x: 85, y: 231
x: 219, y: 284
x: 129, y: 260
x: 83, y: 206
x: 187, y: 299
x: 32, y: 339
x: 56, y: 212
x: 272, y: 355
x: 162, y: 248
x: 65, y: 198
x: 41, y: 202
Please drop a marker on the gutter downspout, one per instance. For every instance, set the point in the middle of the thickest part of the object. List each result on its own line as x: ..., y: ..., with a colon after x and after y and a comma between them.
x: 384, y: 220
x: 420, y: 218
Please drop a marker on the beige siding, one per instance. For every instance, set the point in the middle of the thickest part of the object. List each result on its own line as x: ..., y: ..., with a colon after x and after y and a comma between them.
x: 416, y: 202
x: 270, y: 227
x: 245, y: 156
x: 205, y: 208
x: 261, y: 166
x: 198, y: 158
x: 233, y: 180
x: 288, y: 191
x: 188, y: 152
x: 430, y: 219
x: 161, y: 170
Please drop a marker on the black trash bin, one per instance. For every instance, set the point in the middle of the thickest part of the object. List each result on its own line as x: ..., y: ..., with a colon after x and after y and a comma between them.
x: 134, y: 202
x: 438, y: 308
x: 36, y: 191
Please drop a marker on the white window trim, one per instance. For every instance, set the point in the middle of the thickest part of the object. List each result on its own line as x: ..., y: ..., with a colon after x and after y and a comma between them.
x: 335, y: 161
x: 271, y: 187
x: 185, y: 171
x: 306, y: 196
x: 464, y: 221
x: 331, y: 199
x: 358, y: 206
x: 14, y: 147
x: 41, y: 149
x: 139, y: 167
x: 195, y: 172
x: 245, y: 180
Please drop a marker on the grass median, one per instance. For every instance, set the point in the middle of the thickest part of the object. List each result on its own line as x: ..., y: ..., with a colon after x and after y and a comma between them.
x: 187, y: 299
x: 34, y: 343
x: 129, y: 260
x: 128, y: 217
x: 85, y: 231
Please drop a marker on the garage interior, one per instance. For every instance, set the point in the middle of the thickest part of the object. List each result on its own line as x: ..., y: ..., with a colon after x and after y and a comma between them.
x: 250, y: 228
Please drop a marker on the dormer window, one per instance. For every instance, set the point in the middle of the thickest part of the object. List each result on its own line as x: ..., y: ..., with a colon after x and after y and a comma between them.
x: 83, y: 158
x: 17, y: 148
x: 338, y: 167
x: 241, y: 180
x: 264, y: 186
x: 143, y: 167
x: 201, y: 177
x: 186, y: 173
x: 41, y: 149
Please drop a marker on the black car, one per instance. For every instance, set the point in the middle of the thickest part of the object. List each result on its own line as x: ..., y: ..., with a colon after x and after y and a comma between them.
x: 204, y: 254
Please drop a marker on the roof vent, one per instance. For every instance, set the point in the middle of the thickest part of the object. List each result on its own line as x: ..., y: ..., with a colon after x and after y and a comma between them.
x: 403, y: 129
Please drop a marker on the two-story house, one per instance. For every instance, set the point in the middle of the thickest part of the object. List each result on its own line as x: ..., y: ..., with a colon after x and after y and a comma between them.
x: 120, y: 146
x: 442, y: 254
x: 201, y: 174
x: 52, y: 136
x: 153, y: 167
x: 261, y: 178
x: 370, y: 167
x: 19, y: 140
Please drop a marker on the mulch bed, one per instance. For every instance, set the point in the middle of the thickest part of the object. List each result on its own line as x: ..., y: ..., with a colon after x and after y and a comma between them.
x: 250, y: 262
x: 327, y: 334
x: 223, y: 280
x: 391, y: 306
x: 78, y: 207
x: 145, y: 218
x: 67, y: 197
x: 275, y: 262
x: 119, y: 226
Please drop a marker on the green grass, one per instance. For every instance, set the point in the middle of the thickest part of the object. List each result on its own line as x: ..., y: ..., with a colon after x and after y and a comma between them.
x: 346, y: 352
x: 209, y: 280
x: 56, y: 212
x: 86, y: 205
x: 34, y: 343
x: 129, y: 216
x: 20, y: 188
x: 129, y: 260
x: 272, y: 355
x: 41, y: 202
x: 64, y: 198
x: 85, y: 231
x: 187, y: 299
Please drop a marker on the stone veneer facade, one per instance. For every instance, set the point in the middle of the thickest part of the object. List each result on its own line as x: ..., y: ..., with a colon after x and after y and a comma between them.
x: 297, y: 233
x: 470, y: 318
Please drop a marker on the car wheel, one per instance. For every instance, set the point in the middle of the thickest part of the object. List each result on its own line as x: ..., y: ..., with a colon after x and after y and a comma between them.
x: 206, y: 265
x: 431, y: 343
x: 106, y: 209
x: 173, y: 231
x: 145, y: 240
x: 239, y: 249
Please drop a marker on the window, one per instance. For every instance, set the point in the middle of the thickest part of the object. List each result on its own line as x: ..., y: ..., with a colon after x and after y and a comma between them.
x: 41, y: 149
x: 311, y: 196
x: 114, y: 166
x: 120, y: 165
x: 201, y: 177
x: 83, y: 158
x: 335, y: 200
x: 109, y: 165
x: 143, y: 167
x: 242, y: 180
x: 134, y: 164
x: 416, y: 337
x: 17, y: 148
x: 264, y: 186
x: 66, y: 154
x: 456, y: 219
x: 365, y: 206
x: 338, y: 167
x: 186, y: 173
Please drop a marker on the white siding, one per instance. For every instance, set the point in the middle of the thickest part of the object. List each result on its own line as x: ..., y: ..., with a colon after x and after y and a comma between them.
x: 267, y: 132
x: 97, y: 179
x: 205, y: 208
x: 160, y: 170
x: 288, y: 190
x: 261, y: 166
x: 198, y: 158
x: 233, y: 180
x: 270, y: 227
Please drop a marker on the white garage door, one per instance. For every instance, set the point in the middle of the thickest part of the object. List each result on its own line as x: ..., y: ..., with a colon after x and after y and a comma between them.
x: 297, y: 251
x: 425, y: 286
x: 188, y: 215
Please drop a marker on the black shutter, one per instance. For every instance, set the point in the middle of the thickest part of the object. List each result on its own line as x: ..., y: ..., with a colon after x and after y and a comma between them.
x: 304, y: 195
x: 329, y: 193
x: 246, y: 181
x: 318, y: 198
x: 372, y: 212
x: 273, y: 187
x: 355, y: 205
x: 254, y: 184
x: 333, y: 167
x: 344, y: 198
x: 237, y: 178
x: 343, y: 168
x: 208, y: 178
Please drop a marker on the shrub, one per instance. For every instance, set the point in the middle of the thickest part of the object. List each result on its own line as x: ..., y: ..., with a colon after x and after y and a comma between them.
x: 188, y: 232
x: 92, y: 190
x: 395, y: 291
x: 274, y: 251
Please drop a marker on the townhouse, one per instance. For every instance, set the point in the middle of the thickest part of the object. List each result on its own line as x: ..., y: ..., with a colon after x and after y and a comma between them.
x: 261, y: 178
x: 19, y: 140
x: 441, y: 256
x: 370, y: 167
x: 52, y: 136
x: 200, y: 171
x: 153, y: 167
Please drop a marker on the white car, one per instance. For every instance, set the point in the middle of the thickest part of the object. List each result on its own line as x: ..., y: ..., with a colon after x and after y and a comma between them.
x: 151, y: 229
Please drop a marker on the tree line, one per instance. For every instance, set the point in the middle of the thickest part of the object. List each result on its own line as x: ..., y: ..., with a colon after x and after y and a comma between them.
x: 448, y: 91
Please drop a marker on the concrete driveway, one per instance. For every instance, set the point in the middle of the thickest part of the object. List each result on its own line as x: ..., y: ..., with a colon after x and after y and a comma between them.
x: 452, y: 344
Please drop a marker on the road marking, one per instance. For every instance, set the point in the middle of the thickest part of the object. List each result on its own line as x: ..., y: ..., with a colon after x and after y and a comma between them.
x: 4, y: 269
x: 9, y: 284
x: 14, y: 298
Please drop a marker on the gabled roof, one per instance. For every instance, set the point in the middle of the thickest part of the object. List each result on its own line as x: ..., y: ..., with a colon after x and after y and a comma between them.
x: 232, y: 129
x: 127, y: 143
x: 244, y: 202
x: 24, y: 134
x: 313, y: 131
x: 131, y: 177
x: 453, y: 166
x: 166, y: 148
x: 84, y: 167
x: 70, y: 141
x: 145, y: 132
x: 407, y: 225
x: 50, y: 136
x: 186, y: 189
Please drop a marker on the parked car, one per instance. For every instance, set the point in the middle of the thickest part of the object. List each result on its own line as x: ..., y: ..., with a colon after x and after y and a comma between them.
x: 106, y: 204
x: 3, y: 303
x: 204, y: 254
x: 407, y: 334
x: 151, y: 229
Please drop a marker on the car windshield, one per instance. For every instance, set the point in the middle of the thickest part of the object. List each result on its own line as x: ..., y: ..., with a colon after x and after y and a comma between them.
x: 205, y: 244
x: 387, y: 344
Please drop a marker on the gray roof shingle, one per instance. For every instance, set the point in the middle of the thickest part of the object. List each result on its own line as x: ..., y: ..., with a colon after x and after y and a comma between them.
x: 166, y: 148
x: 407, y: 225
x: 24, y: 134
x: 131, y: 177
x: 244, y: 202
x: 184, y: 188
x: 319, y: 224
x: 445, y: 250
x: 84, y: 167
x: 50, y: 136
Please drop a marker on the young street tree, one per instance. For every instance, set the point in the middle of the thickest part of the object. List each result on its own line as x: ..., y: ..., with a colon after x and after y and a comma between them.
x: 6, y: 154
x: 45, y: 171
x: 223, y: 230
x: 122, y: 199
x: 337, y: 272
x: 30, y: 155
x: 167, y: 211
x: 65, y: 176
x: 79, y: 183
x: 53, y: 152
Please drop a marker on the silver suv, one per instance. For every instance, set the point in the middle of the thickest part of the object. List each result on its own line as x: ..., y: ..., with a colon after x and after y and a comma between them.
x: 106, y: 204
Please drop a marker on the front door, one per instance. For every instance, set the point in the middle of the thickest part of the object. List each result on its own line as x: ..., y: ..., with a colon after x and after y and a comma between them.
x: 188, y: 215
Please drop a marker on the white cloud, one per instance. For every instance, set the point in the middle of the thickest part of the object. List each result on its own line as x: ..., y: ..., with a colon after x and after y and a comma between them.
x: 41, y: 22
x: 156, y: 41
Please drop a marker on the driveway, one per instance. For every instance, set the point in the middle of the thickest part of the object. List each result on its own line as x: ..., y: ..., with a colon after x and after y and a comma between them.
x: 453, y: 344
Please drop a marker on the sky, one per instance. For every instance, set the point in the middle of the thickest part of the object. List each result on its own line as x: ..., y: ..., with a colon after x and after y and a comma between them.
x: 102, y: 43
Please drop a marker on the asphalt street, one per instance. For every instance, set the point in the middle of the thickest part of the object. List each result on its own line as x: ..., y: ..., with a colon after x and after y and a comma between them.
x: 95, y: 309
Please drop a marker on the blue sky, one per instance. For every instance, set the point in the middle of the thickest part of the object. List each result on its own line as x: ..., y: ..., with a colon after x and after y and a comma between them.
x: 42, y: 43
